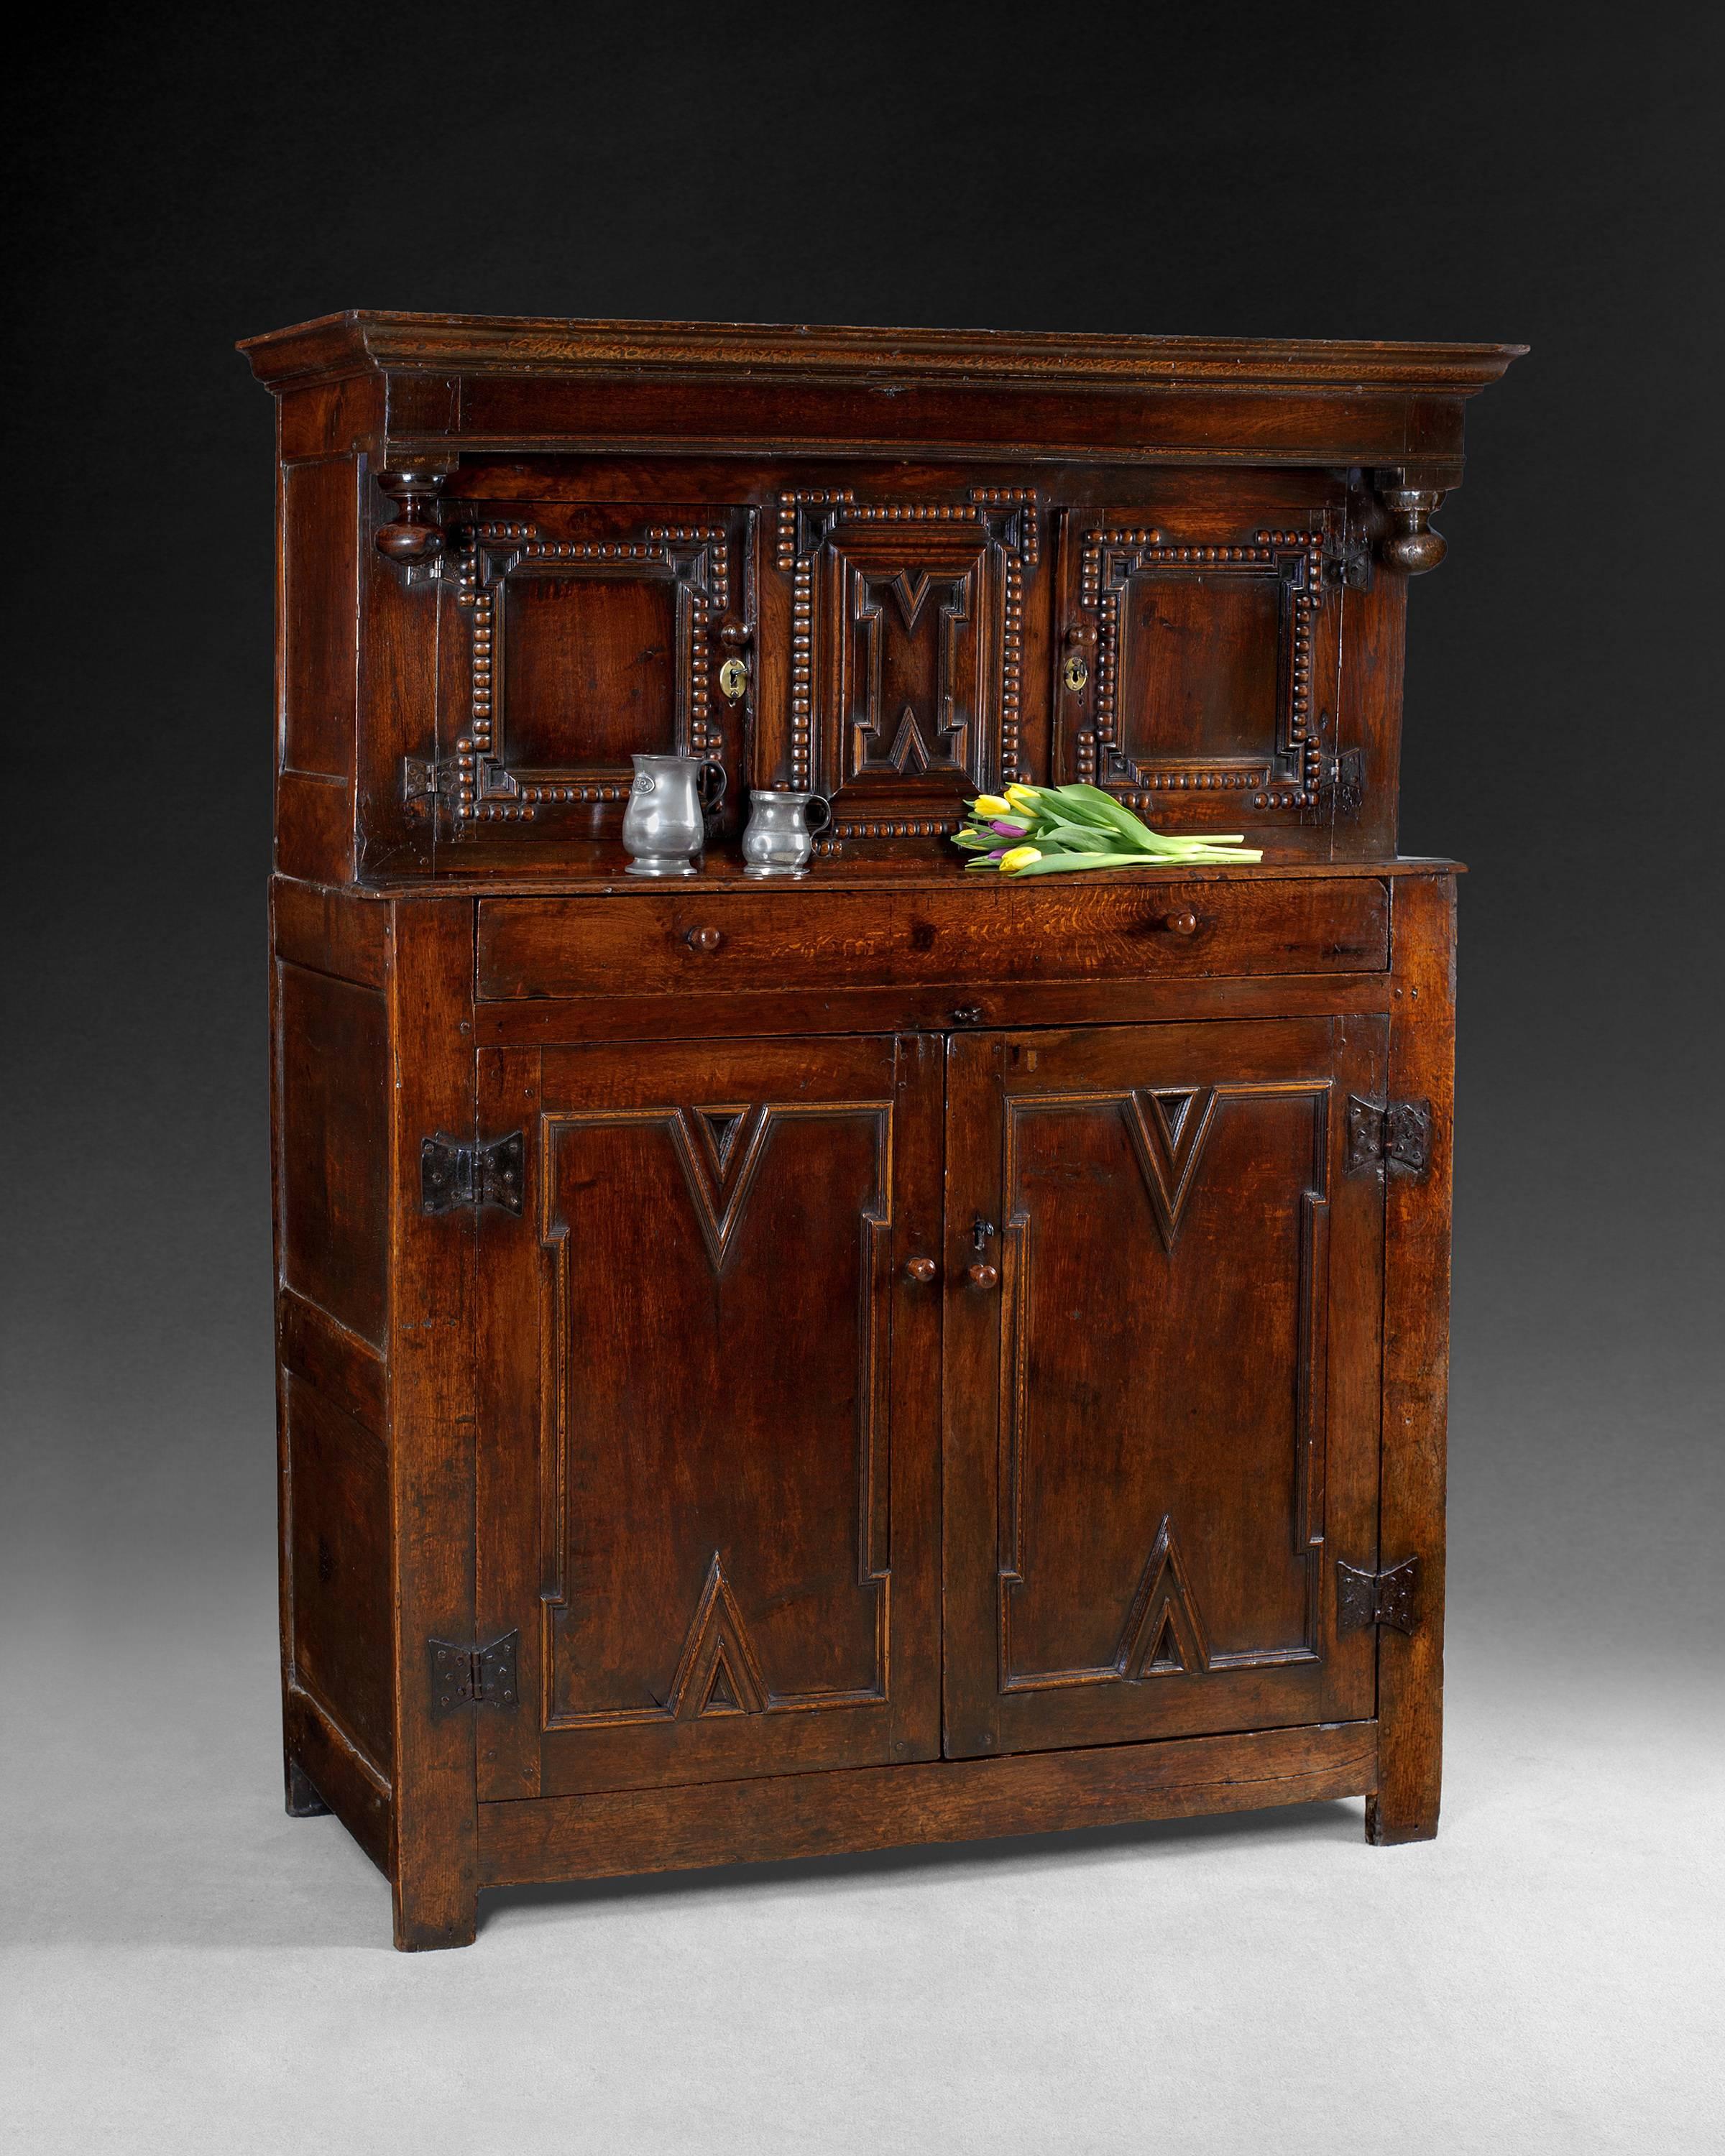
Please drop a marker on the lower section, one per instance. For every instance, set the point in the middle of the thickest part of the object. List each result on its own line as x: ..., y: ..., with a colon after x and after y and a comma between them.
x: 605, y: 1836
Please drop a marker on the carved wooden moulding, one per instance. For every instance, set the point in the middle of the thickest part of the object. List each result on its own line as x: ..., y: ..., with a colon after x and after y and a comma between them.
x: 1208, y: 666
x: 577, y: 643
x: 905, y: 682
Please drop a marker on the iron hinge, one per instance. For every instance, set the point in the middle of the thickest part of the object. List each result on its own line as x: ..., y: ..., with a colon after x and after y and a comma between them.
x: 1347, y: 560
x: 1396, y: 1132
x: 1342, y: 789
x: 470, y: 780
x: 453, y: 1175
x: 423, y: 782
x: 473, y: 1677
x: 1376, y: 1598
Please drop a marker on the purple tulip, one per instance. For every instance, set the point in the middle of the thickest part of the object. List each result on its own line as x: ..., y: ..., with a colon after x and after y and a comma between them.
x: 1009, y: 830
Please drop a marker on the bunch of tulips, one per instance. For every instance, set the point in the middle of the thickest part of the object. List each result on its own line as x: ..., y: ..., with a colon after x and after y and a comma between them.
x: 1052, y: 830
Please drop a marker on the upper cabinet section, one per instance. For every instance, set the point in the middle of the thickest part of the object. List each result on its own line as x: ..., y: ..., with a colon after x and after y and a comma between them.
x: 893, y: 568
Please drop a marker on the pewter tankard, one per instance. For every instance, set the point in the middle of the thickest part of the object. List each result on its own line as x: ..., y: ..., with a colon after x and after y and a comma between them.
x: 783, y: 829
x: 664, y: 826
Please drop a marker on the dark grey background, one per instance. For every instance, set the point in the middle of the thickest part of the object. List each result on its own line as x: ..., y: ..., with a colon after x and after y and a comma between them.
x: 184, y: 177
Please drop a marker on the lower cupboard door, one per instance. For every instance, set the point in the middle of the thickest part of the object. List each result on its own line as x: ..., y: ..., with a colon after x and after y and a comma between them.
x: 1163, y: 1325
x: 708, y: 1493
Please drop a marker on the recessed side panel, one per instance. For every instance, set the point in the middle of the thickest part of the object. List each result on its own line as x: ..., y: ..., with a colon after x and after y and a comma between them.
x: 318, y: 657
x: 592, y: 669
x: 338, y: 1540
x: 319, y: 624
x: 1197, y: 669
x: 332, y: 1101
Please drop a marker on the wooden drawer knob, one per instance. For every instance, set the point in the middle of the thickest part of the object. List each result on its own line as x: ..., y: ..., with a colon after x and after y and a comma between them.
x: 1184, y: 922
x: 704, y: 940
x: 982, y: 1275
x: 920, y: 1270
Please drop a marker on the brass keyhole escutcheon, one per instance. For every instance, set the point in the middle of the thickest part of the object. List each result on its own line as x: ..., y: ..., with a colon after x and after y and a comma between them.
x: 733, y: 679
x: 1077, y: 673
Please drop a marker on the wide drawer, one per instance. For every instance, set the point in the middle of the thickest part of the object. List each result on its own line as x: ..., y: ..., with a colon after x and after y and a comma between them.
x: 662, y: 943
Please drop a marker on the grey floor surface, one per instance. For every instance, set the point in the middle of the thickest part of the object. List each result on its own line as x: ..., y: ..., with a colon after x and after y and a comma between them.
x: 186, y: 1969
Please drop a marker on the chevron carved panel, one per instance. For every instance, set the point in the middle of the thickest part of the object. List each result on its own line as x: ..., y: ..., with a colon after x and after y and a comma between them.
x: 1168, y: 1130
x: 1163, y: 1634
x: 720, y: 1150
x: 719, y: 1672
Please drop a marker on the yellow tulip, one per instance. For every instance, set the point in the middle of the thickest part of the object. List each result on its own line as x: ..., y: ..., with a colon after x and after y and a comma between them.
x: 1020, y: 857
x: 1024, y: 797
x: 991, y: 804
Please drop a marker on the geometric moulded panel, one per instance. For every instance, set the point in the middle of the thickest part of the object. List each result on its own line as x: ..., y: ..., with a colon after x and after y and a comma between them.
x: 582, y: 654
x: 649, y: 1327
x: 1166, y: 1430
x: 1206, y: 661
x: 905, y: 693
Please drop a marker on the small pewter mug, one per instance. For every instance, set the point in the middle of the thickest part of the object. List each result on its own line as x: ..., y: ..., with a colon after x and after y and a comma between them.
x: 783, y: 829
x: 665, y: 825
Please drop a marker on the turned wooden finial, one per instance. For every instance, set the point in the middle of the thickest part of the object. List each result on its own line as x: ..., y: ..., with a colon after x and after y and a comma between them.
x: 1412, y: 547
x: 412, y: 538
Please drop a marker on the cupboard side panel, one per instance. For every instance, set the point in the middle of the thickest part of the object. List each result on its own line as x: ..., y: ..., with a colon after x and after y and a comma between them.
x: 329, y: 1082
x: 1368, y: 714
x: 1416, y: 1368
x: 334, y: 1188
x: 317, y: 644
x: 397, y: 689
x: 338, y: 1553
x: 431, y: 1422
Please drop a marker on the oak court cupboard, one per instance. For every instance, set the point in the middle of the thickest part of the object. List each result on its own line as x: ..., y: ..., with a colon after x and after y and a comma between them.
x: 902, y: 1355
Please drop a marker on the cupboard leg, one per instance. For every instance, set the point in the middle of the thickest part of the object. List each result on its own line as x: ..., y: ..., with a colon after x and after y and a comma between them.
x: 434, y: 1911
x: 1391, y: 1818
x: 303, y: 1801
x: 1404, y: 1807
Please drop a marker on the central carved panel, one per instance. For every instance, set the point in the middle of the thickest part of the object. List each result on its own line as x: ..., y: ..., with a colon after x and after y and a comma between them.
x: 907, y: 647
x: 907, y: 710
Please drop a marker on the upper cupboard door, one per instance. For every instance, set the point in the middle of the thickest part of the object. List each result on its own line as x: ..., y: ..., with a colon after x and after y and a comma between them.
x: 1161, y: 1344
x: 709, y: 1477
x: 1200, y: 643
x: 573, y: 637
x: 903, y: 620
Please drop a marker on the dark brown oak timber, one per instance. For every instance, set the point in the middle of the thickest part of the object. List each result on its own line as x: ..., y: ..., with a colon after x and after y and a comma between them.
x: 630, y: 1830
x: 431, y: 1426
x: 1416, y: 1367
x: 904, y: 1355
